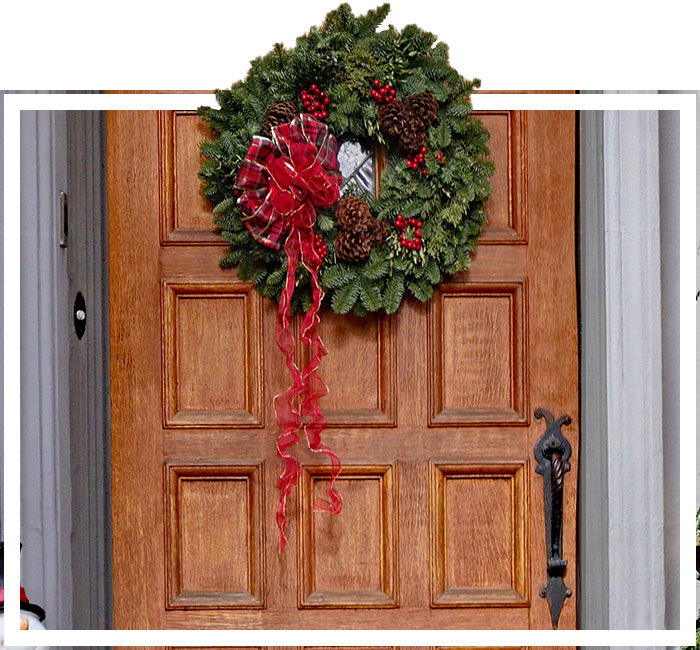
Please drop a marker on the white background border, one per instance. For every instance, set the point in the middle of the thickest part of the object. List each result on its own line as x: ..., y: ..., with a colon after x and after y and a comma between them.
x: 684, y: 103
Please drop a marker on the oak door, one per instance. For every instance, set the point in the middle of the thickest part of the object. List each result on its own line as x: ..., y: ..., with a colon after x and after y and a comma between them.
x: 430, y: 410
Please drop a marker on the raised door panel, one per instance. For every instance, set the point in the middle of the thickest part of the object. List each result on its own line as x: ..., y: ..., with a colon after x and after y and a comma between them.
x: 215, y: 536
x: 349, y: 560
x: 506, y: 209
x: 477, y: 363
x: 212, y: 355
x: 185, y: 213
x: 478, y: 526
x: 359, y: 370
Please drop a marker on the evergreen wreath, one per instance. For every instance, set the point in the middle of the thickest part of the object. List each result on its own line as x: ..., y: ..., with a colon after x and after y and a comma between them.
x: 390, y: 88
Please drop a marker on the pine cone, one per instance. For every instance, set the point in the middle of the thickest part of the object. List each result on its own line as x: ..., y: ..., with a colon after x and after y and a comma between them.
x: 279, y: 113
x: 392, y: 118
x: 353, y: 245
x: 349, y: 210
x: 423, y: 106
x: 412, y: 137
x: 379, y: 233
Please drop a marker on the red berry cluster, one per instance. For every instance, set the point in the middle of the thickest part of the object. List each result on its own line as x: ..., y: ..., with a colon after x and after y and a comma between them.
x: 381, y: 94
x: 416, y: 224
x: 416, y: 160
x: 320, y: 246
x: 315, y: 101
x: 440, y: 158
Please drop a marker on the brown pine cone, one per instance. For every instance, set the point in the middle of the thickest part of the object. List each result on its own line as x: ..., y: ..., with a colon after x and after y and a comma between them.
x: 412, y: 137
x: 279, y: 113
x: 423, y: 106
x: 379, y: 233
x: 349, y: 210
x: 371, y: 228
x: 392, y: 118
x: 353, y: 245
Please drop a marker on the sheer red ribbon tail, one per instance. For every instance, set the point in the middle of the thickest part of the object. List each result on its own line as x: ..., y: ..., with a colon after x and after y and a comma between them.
x: 306, y: 385
x: 286, y: 411
x: 314, y: 386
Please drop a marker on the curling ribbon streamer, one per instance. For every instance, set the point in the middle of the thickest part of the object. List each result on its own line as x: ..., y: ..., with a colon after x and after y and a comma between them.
x: 282, y: 181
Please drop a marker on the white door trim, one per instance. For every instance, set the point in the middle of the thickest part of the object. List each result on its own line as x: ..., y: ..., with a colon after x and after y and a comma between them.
x: 633, y: 370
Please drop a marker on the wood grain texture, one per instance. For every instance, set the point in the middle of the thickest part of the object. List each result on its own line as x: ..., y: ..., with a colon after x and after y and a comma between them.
x: 212, y: 355
x: 506, y: 209
x: 349, y: 561
x: 185, y: 213
x: 361, y: 367
x: 479, y: 511
x: 477, y: 339
x: 215, y: 536
x: 444, y: 385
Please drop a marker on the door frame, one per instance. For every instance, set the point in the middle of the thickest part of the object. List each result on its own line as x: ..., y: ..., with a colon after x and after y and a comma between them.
x: 66, y: 519
x: 606, y: 150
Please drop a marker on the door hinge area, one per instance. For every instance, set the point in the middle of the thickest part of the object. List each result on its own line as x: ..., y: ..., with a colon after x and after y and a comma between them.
x: 63, y: 220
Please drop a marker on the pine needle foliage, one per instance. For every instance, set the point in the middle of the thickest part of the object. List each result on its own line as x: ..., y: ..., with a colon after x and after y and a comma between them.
x: 343, y: 57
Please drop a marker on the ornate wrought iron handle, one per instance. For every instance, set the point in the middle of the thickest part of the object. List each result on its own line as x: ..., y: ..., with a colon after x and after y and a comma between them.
x: 552, y: 452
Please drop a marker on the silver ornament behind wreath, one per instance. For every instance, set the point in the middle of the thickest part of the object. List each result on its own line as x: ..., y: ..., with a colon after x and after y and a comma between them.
x: 356, y: 166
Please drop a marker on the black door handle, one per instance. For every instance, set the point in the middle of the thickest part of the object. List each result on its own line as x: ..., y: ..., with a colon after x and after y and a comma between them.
x: 552, y: 452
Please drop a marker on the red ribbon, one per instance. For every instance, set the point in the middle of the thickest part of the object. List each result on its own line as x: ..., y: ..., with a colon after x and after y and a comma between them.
x: 303, y: 177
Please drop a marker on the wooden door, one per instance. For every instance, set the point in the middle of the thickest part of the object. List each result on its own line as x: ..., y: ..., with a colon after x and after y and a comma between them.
x: 430, y: 410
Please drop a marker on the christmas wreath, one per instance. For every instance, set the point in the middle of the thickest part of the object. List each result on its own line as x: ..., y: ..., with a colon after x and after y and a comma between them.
x: 390, y: 88
x: 299, y: 225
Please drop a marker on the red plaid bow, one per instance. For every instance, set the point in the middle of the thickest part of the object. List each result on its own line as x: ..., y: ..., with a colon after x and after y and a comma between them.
x: 283, y: 180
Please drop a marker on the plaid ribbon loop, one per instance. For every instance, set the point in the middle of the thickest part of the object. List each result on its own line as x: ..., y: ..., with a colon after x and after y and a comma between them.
x: 283, y: 179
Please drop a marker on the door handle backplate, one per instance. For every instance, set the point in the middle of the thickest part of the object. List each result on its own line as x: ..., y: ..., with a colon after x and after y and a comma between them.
x: 552, y: 452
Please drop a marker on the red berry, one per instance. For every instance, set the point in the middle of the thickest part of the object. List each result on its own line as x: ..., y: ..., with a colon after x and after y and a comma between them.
x: 392, y: 92
x: 419, y: 223
x: 424, y: 149
x: 326, y: 100
x: 377, y: 83
x: 421, y: 157
x: 417, y: 246
x: 414, y: 165
x: 416, y: 232
x: 382, y: 91
x: 425, y: 172
x: 314, y: 87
